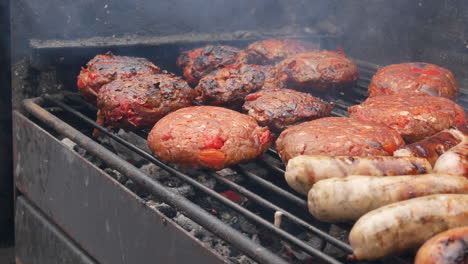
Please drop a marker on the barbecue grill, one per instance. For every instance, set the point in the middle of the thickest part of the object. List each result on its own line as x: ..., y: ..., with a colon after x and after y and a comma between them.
x: 107, y: 199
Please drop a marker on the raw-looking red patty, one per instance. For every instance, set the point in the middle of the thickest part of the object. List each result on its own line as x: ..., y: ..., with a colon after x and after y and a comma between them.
x: 197, y: 63
x: 317, y: 71
x: 414, y: 117
x: 281, y: 108
x: 103, y: 69
x: 229, y: 86
x: 270, y: 51
x: 208, y: 136
x: 338, y: 136
x: 416, y: 78
x: 141, y: 101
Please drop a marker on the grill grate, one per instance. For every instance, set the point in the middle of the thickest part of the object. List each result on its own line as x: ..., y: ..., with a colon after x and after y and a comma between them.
x: 197, y: 214
x: 248, y: 214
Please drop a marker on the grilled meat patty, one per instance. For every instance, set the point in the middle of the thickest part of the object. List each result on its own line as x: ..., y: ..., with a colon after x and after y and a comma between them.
x: 416, y: 78
x: 281, y: 108
x: 337, y: 136
x: 228, y: 86
x: 317, y: 71
x: 271, y: 51
x: 103, y: 69
x: 414, y: 117
x: 197, y: 63
x: 208, y: 136
x: 141, y: 101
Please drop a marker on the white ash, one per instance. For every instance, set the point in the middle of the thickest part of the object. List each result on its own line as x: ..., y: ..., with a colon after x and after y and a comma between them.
x: 226, y: 172
x: 154, y: 171
x: 70, y: 144
x: 164, y: 208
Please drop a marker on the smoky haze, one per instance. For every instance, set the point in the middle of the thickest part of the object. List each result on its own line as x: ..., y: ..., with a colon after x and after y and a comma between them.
x: 378, y: 31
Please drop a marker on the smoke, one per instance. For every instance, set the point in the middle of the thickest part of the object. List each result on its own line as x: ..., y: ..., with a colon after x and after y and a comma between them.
x: 378, y: 31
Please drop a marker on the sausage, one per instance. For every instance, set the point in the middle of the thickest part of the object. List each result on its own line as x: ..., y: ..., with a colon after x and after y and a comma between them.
x: 445, y: 248
x: 347, y: 199
x: 406, y: 225
x: 432, y: 147
x: 454, y: 161
x: 304, y: 171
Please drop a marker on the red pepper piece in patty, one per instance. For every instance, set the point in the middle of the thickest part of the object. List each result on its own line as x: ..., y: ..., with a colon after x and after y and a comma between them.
x: 92, y: 76
x: 213, y: 158
x: 80, y: 83
x: 390, y: 147
x: 213, y: 142
x: 265, y: 137
x: 252, y: 97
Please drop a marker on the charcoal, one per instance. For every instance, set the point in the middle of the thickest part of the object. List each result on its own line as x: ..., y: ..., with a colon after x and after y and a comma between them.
x: 256, y: 169
x: 237, y: 178
x: 93, y: 159
x: 244, y: 260
x: 116, y: 175
x: 341, y: 234
x: 123, y: 151
x: 206, y: 180
x: 132, y: 186
x: 167, y: 210
x: 247, y: 227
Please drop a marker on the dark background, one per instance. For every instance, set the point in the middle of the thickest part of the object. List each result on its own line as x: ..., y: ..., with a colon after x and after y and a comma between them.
x: 6, y: 185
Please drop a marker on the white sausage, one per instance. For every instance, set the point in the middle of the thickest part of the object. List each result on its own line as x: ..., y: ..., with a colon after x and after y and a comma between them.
x: 347, y: 199
x: 302, y: 172
x: 406, y: 225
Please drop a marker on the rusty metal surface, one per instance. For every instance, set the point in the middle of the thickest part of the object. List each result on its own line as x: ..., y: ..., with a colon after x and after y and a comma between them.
x: 32, y: 229
x: 109, y: 222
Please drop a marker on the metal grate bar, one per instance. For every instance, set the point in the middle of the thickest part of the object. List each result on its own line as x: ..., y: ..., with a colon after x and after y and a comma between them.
x: 273, y: 167
x: 248, y: 214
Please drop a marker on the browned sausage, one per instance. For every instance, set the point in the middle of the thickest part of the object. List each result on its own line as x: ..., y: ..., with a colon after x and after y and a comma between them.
x: 302, y: 172
x: 454, y: 161
x: 445, y: 248
x: 432, y: 147
x: 406, y: 225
